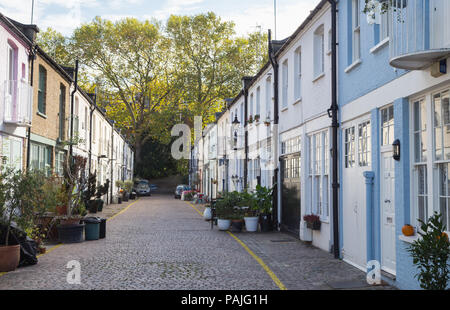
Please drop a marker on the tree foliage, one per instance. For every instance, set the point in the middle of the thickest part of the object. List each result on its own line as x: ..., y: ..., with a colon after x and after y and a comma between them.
x: 150, y: 76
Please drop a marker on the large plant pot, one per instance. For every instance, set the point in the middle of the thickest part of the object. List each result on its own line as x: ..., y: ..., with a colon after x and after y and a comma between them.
x: 119, y: 200
x: 100, y: 205
x: 92, y: 229
x: 251, y: 223
x: 265, y: 221
x: 223, y: 225
x: 9, y: 258
x: 70, y: 233
x: 236, y: 226
x: 207, y: 214
x: 126, y: 197
x: 92, y: 206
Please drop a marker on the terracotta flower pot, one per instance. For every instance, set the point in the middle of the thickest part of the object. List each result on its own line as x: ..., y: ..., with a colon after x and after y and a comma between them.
x: 61, y: 210
x: 9, y: 258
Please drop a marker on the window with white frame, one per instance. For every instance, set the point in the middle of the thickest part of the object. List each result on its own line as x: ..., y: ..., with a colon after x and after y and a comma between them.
x: 251, y: 106
x: 298, y: 73
x: 285, y: 84
x: 319, y: 51
x: 356, y: 30
x: 59, y: 163
x: 41, y: 158
x: 330, y: 41
x: 349, y: 147
x: 258, y: 101
x: 420, y: 159
x: 387, y: 126
x: 384, y: 26
x: 441, y: 107
x: 319, y: 174
x: 268, y: 97
x: 364, y: 144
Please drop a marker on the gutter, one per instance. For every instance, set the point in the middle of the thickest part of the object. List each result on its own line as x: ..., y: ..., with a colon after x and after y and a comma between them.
x: 333, y: 114
x: 32, y: 57
x: 92, y: 110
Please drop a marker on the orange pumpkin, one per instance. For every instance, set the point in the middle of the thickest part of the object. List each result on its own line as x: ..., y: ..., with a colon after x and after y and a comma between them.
x: 408, y: 230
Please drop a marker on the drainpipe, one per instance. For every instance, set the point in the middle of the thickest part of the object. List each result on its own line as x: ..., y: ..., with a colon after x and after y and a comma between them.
x: 369, y: 176
x: 112, y: 160
x: 32, y: 58
x: 245, y: 82
x: 333, y: 114
x: 72, y: 108
x: 90, y: 130
x: 275, y: 66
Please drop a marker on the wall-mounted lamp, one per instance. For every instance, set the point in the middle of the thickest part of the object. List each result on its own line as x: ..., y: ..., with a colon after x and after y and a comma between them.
x: 397, y: 150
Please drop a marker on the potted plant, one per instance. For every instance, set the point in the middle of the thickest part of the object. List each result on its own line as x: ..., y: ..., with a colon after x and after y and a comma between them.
x: 251, y: 215
x: 70, y: 230
x: 128, y: 187
x: 120, y: 185
x: 102, y: 190
x: 250, y: 120
x: 267, y: 121
x: 89, y: 194
x: 257, y: 118
x: 237, y: 219
x: 264, y: 199
x: 18, y: 194
x: 431, y: 254
x: 312, y: 221
x: 224, y: 211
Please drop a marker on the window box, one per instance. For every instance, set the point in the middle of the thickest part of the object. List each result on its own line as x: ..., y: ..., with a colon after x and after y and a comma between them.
x: 312, y: 222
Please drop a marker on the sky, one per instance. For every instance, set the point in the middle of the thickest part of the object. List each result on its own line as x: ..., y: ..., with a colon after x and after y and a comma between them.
x: 248, y: 15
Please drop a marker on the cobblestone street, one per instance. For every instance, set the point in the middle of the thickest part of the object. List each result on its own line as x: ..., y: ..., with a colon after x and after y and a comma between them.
x: 163, y: 244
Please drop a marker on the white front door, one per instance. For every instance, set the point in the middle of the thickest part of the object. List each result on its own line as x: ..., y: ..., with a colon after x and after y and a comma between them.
x: 388, y: 236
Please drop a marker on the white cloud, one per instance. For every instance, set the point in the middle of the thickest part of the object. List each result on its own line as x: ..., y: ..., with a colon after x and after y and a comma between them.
x: 176, y: 7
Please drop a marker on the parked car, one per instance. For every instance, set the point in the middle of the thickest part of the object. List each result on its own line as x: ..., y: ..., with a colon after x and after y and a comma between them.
x: 180, y: 189
x: 142, y: 188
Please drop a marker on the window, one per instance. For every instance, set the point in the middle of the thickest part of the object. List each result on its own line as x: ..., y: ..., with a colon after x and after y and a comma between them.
x: 11, y: 153
x: 318, y: 181
x: 62, y: 111
x: 298, y: 74
x: 258, y: 101
x: 384, y: 26
x: 364, y: 144
x: 387, y: 126
x: 441, y: 107
x: 268, y: 97
x: 330, y: 41
x: 251, y: 106
x: 350, y: 147
x: 12, y: 69
x: 285, y: 84
x: 42, y: 90
x: 76, y: 119
x: 319, y: 52
x: 59, y: 163
x: 356, y: 30
x: 41, y: 158
x: 94, y: 126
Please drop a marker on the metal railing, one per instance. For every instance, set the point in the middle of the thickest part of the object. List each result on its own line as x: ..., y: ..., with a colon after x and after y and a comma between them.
x: 419, y: 31
x: 17, y: 103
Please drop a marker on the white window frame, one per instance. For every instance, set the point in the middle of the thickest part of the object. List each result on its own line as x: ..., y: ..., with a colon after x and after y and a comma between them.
x: 268, y: 97
x: 319, y: 51
x: 298, y: 73
x: 258, y: 102
x: 365, y: 144
x: 356, y: 30
x: 350, y: 147
x: 285, y: 84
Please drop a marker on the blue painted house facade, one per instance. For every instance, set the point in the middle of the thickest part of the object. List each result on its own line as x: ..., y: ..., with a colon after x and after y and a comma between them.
x: 393, y: 87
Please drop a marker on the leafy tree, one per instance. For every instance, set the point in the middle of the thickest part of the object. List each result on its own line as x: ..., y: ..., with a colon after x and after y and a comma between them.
x: 431, y: 255
x: 55, y: 45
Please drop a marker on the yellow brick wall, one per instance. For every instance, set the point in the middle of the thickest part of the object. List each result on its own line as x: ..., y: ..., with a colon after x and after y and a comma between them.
x: 49, y: 127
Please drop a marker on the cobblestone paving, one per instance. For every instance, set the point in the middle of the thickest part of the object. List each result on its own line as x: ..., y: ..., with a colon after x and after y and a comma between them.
x: 162, y: 243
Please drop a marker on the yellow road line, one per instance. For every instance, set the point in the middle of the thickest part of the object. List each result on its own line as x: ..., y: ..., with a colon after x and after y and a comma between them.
x: 60, y: 245
x: 259, y: 260
x: 124, y: 210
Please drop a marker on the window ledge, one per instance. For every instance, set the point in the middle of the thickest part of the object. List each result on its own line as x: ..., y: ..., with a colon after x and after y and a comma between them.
x: 410, y: 240
x: 299, y: 100
x: 42, y: 115
x: 353, y: 66
x: 284, y: 109
x: 319, y: 77
x: 379, y: 46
